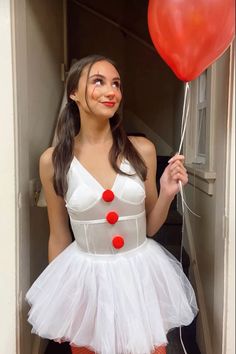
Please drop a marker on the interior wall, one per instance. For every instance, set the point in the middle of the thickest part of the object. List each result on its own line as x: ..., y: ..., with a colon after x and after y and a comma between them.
x: 207, y: 233
x: 229, y: 304
x: 220, y: 141
x: 22, y: 174
x: 45, y: 55
x: 8, y: 194
x: 149, y: 85
x: 44, y: 24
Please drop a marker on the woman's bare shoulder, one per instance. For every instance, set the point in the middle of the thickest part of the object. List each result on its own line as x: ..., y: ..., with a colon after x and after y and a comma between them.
x: 46, y: 156
x: 45, y: 162
x: 144, y: 146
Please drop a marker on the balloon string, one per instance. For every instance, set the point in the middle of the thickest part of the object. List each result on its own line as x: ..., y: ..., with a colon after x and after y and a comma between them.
x: 185, y: 115
x: 184, y: 120
x: 184, y: 204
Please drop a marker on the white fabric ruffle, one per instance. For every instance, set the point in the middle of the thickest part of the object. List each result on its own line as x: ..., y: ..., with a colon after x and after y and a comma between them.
x: 112, y: 304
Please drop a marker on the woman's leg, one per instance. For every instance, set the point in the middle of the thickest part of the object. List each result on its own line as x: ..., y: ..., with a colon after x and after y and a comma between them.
x: 76, y: 350
x: 160, y: 350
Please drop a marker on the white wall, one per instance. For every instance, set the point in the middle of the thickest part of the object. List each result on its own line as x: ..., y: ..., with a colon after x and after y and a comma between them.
x: 229, y: 285
x: 22, y: 173
x: 8, y: 197
x: 206, y: 235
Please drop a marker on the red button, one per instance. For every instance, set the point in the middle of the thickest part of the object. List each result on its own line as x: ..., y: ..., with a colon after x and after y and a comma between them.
x: 112, y: 217
x: 118, y: 241
x: 108, y: 195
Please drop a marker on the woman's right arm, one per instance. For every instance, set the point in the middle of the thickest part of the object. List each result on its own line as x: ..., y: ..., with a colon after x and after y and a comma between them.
x: 60, y: 235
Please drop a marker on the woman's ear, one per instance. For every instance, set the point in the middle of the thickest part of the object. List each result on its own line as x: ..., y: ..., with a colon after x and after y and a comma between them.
x: 74, y: 97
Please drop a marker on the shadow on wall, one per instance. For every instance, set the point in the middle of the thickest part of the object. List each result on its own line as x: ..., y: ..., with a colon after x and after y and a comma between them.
x: 134, y: 124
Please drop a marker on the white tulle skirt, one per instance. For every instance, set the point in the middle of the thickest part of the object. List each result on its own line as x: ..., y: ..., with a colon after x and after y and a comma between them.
x: 112, y: 304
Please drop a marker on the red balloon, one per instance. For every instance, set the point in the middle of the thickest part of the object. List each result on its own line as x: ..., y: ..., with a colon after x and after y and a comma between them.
x: 191, y: 34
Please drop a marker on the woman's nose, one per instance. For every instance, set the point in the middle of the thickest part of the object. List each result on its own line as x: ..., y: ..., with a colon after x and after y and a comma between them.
x: 110, y: 93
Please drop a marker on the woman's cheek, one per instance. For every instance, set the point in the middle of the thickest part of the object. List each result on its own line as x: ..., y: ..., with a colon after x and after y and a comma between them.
x: 95, y: 93
x: 118, y: 96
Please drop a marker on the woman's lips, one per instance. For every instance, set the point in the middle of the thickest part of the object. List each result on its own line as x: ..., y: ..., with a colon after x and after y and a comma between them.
x: 109, y: 104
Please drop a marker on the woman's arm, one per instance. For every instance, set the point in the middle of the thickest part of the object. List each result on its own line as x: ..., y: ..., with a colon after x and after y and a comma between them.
x: 60, y: 235
x: 157, y: 207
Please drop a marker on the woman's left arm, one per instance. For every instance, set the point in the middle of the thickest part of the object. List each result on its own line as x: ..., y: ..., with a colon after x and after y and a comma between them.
x: 157, y: 207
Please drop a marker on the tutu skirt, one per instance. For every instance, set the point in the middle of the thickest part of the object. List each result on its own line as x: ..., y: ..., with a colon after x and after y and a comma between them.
x: 112, y: 304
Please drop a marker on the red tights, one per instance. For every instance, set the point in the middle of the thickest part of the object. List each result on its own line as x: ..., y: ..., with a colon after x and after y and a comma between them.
x: 76, y: 350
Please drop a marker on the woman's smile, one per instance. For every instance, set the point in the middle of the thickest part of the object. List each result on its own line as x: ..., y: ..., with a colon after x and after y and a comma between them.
x: 109, y: 104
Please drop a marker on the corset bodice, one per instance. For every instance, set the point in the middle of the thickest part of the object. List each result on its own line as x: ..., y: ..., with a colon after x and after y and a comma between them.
x: 106, y: 221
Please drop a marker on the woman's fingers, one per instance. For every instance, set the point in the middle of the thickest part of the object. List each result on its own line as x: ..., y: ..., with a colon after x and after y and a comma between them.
x: 176, y: 158
x: 180, y: 177
x: 174, y: 173
x: 177, y: 170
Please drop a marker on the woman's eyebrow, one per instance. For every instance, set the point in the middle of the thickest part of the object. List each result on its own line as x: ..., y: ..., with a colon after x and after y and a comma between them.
x: 103, y: 77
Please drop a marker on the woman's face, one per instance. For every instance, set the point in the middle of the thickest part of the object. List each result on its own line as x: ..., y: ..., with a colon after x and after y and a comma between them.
x: 99, y: 93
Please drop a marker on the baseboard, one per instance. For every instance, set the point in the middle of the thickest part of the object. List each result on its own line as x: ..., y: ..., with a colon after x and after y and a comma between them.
x: 204, y: 338
x: 39, y: 345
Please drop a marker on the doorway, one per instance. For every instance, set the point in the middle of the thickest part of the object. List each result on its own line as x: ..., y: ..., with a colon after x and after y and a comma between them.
x: 52, y: 34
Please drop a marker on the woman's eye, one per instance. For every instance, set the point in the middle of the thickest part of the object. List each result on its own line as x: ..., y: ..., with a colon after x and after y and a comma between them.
x: 116, y: 84
x: 98, y: 82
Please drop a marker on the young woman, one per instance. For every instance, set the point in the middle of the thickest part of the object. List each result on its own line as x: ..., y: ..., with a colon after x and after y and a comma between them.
x: 112, y: 290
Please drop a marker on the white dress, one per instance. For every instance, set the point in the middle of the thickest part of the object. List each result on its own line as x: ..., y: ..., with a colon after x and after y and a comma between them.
x: 111, y: 290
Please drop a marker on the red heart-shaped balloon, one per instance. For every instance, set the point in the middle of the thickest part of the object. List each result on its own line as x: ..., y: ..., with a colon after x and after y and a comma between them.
x: 191, y: 34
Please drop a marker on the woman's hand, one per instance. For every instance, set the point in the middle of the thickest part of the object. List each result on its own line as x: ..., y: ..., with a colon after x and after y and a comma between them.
x: 171, y: 176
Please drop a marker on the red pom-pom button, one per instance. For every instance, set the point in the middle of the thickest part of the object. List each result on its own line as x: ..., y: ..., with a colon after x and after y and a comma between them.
x: 112, y: 217
x: 118, y: 241
x: 108, y: 195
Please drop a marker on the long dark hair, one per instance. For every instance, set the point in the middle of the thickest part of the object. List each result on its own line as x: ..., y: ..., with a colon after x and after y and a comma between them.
x: 69, y: 126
